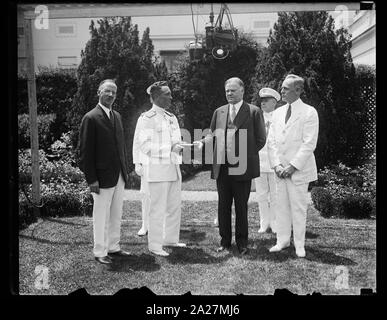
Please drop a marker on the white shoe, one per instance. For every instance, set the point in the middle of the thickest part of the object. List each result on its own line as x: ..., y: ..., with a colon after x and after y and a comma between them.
x: 177, y: 244
x: 278, y: 248
x: 142, y: 232
x: 160, y: 252
x: 300, y: 252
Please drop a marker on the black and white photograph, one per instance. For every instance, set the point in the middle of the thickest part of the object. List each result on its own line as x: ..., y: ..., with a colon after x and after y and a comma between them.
x: 209, y: 149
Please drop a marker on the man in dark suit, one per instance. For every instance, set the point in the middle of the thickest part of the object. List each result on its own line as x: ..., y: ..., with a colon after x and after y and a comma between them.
x: 102, y: 159
x: 239, y: 132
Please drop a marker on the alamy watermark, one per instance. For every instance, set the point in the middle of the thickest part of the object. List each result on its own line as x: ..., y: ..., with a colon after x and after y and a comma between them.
x: 42, y: 18
x: 41, y: 277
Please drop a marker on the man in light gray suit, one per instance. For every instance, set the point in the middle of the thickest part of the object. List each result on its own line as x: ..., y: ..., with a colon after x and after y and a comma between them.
x: 291, y: 142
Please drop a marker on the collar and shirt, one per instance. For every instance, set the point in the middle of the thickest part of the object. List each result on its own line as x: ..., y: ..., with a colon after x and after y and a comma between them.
x: 237, y: 107
x: 230, y: 127
x: 107, y: 110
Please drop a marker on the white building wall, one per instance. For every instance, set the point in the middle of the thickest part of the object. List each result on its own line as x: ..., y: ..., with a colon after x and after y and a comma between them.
x: 168, y: 33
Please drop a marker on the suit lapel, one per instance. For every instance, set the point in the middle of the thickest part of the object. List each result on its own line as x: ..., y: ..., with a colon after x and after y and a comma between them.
x: 242, y: 115
x: 296, y: 114
x: 104, y: 117
x: 222, y: 121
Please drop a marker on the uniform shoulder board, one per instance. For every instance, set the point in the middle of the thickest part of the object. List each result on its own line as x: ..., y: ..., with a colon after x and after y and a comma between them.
x: 169, y: 114
x: 149, y: 113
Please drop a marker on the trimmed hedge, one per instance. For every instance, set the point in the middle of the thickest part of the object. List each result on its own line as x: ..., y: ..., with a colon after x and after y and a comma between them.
x: 45, y: 123
x: 55, y: 89
x: 59, y: 200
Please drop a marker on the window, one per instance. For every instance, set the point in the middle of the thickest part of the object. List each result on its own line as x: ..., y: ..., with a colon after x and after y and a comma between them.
x: 66, y: 30
x: 68, y: 62
x: 261, y: 24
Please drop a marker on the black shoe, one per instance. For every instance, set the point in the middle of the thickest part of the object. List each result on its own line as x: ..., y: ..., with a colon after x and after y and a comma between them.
x: 223, y: 248
x: 243, y: 251
x: 103, y: 260
x: 120, y: 253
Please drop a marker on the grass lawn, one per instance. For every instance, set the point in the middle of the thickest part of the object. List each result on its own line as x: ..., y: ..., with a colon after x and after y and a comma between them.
x: 64, y: 246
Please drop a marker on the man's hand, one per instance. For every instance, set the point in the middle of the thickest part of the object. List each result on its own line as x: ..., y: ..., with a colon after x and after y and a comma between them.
x: 138, y: 169
x: 177, y: 148
x: 278, y: 170
x: 94, y: 187
x: 288, y: 171
x: 198, y: 144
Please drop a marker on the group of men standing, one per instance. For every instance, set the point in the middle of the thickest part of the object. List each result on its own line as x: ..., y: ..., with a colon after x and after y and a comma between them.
x: 274, y: 147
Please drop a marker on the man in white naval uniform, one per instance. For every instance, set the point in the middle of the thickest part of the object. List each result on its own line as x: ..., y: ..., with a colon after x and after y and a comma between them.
x: 292, y: 141
x: 265, y: 184
x: 159, y: 140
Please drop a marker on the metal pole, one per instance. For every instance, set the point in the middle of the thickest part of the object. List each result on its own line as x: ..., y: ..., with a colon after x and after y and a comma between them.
x: 32, y: 104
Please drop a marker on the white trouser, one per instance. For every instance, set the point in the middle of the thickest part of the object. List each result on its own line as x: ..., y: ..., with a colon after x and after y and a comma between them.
x: 164, y: 213
x: 145, y: 203
x: 107, y: 214
x: 266, y: 190
x: 291, y: 211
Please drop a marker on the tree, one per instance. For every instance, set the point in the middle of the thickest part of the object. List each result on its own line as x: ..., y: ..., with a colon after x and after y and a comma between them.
x: 115, y: 51
x: 198, y: 86
x: 306, y: 43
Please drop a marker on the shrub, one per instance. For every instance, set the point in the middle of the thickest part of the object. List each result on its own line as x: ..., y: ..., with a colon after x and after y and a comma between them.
x: 44, y: 130
x: 50, y: 171
x: 356, y: 206
x: 26, y: 213
x: 55, y: 89
x: 188, y: 170
x: 345, y: 192
x: 63, y: 149
x: 322, y: 201
x: 59, y: 200
x: 67, y: 199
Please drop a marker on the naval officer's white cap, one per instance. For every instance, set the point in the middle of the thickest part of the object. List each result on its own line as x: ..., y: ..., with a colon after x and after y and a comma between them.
x: 269, y: 93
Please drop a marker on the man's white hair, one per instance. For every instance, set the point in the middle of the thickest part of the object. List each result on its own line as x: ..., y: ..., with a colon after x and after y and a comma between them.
x: 297, y: 80
x: 102, y: 83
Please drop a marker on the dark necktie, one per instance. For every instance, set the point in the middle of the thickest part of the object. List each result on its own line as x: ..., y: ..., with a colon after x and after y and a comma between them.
x: 288, y: 113
x: 111, y: 117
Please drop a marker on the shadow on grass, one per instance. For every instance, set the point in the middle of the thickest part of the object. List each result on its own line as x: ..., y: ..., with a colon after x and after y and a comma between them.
x: 260, y: 251
x: 192, y: 236
x: 194, y: 255
x: 143, y: 262
x: 45, y: 241
x: 311, y: 235
x: 327, y: 257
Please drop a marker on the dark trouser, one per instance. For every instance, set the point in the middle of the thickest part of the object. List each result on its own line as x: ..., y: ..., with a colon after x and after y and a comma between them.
x: 230, y: 189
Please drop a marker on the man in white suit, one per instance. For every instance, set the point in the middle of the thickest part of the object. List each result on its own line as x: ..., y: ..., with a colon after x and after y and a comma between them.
x: 160, y: 143
x: 291, y: 143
